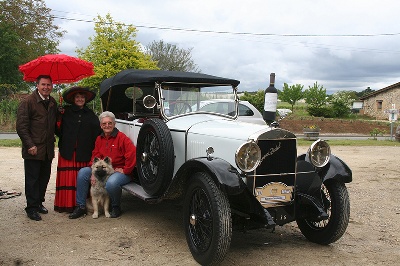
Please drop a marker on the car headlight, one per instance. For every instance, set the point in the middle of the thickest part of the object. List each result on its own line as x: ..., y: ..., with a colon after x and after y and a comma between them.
x: 248, y: 156
x: 319, y: 153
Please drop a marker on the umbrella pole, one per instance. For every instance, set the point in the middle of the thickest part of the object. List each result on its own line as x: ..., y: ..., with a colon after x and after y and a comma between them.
x: 60, y: 109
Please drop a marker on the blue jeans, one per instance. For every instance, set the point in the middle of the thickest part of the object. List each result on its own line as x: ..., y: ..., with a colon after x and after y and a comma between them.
x: 113, y: 186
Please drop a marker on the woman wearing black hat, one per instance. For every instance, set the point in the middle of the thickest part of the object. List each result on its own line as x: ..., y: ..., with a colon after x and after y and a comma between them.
x: 78, y: 130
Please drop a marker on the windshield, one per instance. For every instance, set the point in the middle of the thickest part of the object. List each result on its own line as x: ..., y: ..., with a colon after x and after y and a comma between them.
x: 179, y: 100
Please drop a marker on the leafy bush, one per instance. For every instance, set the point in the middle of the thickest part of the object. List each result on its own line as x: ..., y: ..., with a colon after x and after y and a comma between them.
x: 375, y: 132
x: 341, y: 103
x: 256, y: 99
x: 316, y: 96
x: 6, y: 90
x: 323, y: 111
x: 8, y: 111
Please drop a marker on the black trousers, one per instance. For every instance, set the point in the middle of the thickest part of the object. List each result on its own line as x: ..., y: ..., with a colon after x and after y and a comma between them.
x: 37, y: 176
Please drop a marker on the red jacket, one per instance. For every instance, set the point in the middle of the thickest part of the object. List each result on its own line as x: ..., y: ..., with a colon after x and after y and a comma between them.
x: 119, y: 148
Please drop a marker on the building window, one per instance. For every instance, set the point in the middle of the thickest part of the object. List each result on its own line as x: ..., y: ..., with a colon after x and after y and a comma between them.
x: 379, y: 104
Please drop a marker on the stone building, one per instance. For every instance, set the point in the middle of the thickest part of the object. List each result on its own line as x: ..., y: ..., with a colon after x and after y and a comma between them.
x: 376, y: 103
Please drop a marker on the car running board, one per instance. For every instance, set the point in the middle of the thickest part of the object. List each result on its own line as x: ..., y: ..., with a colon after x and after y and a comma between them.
x: 138, y: 191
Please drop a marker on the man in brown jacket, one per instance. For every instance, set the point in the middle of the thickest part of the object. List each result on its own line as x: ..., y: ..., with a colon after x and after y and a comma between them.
x: 36, y: 121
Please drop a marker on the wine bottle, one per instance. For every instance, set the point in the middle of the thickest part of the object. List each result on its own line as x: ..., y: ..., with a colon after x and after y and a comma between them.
x: 270, y: 101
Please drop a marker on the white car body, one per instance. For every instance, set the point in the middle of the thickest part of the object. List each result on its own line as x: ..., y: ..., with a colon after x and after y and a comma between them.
x: 201, y: 131
x: 193, y: 146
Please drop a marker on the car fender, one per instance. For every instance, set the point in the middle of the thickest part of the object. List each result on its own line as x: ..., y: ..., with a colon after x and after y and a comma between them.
x: 337, y: 169
x: 334, y: 169
x: 310, y: 179
x: 226, y: 176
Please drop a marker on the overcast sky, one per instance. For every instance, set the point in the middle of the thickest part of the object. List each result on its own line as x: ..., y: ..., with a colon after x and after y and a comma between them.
x: 343, y: 45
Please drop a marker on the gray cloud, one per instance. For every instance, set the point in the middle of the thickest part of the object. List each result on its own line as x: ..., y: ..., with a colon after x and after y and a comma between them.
x: 337, y: 62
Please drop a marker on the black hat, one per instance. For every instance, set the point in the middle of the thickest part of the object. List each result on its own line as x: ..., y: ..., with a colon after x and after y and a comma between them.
x: 69, y: 94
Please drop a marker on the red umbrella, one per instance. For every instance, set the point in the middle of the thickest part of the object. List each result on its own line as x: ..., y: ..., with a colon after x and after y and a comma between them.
x: 61, y: 68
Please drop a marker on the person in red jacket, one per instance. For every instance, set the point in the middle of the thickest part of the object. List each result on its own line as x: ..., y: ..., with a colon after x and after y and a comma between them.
x: 122, y: 151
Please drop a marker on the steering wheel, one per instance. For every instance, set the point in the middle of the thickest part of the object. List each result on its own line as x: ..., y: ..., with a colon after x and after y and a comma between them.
x: 180, y: 107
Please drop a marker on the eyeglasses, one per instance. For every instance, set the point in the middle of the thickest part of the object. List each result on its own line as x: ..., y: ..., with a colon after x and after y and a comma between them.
x: 107, y: 124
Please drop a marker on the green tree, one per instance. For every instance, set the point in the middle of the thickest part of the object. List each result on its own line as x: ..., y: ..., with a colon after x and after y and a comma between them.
x: 256, y: 99
x: 27, y: 26
x: 341, y: 103
x: 170, y: 57
x: 316, y: 98
x: 316, y: 95
x: 353, y: 95
x: 9, y: 56
x: 291, y: 94
x: 365, y: 92
x: 33, y: 24
x: 112, y: 49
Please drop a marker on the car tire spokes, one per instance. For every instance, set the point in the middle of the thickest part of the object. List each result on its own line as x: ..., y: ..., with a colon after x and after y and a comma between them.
x: 149, y: 167
x: 156, y: 150
x: 336, y: 203
x: 153, y: 153
x: 207, y: 220
x: 201, y: 231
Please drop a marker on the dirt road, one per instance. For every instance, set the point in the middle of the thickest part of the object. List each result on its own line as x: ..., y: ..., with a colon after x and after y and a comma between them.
x: 153, y: 234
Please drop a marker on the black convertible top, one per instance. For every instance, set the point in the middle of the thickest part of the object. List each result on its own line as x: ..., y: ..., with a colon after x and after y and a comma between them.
x: 112, y: 90
x: 143, y: 77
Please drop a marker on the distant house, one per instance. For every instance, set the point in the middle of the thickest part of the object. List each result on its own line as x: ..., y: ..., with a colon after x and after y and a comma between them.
x: 375, y: 103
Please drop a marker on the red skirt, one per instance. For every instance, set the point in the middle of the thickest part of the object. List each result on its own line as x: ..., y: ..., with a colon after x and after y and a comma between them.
x: 67, y: 171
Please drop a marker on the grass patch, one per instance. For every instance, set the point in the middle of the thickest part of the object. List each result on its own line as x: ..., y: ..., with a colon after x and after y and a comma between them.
x: 300, y: 142
x: 349, y: 142
x: 300, y: 112
x: 10, y: 142
x: 16, y: 142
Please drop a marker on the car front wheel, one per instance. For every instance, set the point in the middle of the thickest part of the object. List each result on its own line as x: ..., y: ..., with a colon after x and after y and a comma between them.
x: 207, y: 220
x: 337, y: 205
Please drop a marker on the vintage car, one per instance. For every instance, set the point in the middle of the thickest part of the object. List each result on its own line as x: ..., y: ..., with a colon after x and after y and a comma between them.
x: 227, y: 174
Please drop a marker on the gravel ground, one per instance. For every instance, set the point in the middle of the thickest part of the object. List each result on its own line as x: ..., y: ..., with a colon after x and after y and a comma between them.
x: 153, y: 235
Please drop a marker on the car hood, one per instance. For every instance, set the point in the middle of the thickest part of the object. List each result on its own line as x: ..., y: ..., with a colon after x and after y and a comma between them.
x: 211, y: 125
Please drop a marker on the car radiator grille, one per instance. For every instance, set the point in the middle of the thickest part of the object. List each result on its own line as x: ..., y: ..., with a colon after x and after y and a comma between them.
x: 274, y: 179
x: 278, y: 157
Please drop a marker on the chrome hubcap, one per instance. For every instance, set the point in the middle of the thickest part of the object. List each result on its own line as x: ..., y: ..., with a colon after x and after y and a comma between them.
x: 192, y: 219
x: 144, y: 157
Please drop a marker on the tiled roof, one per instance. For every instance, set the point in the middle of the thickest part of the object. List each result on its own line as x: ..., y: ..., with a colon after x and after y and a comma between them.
x: 396, y: 85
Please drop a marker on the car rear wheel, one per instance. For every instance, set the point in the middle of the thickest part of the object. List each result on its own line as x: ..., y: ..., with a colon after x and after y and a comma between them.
x: 207, y: 220
x: 337, y: 206
x: 155, y: 156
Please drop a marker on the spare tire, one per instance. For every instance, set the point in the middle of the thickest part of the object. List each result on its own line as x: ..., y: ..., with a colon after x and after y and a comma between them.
x: 155, y: 156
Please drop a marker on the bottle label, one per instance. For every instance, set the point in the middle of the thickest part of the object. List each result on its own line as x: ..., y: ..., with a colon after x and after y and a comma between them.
x: 270, y: 102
